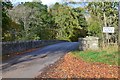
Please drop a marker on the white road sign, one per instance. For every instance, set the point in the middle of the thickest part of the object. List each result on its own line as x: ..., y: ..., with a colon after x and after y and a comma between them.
x: 108, y: 29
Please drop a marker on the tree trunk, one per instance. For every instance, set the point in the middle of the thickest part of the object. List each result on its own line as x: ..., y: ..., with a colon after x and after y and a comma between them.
x: 105, y: 25
x: 119, y: 30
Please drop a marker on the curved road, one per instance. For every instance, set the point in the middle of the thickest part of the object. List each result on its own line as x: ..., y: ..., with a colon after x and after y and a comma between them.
x: 31, y: 64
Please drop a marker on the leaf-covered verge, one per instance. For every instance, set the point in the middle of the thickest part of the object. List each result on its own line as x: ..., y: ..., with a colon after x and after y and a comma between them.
x: 70, y: 66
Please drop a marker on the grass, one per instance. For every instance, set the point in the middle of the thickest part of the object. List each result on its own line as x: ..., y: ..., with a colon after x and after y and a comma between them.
x: 108, y: 55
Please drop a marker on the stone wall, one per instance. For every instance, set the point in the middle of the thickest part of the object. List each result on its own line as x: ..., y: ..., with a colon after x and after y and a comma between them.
x: 19, y: 46
x: 88, y: 43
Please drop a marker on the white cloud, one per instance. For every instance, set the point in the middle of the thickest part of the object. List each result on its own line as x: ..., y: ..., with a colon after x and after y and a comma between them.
x: 49, y: 2
x: 16, y: 1
x: 46, y: 2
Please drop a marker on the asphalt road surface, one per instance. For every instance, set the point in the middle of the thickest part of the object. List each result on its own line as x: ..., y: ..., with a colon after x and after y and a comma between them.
x: 31, y: 64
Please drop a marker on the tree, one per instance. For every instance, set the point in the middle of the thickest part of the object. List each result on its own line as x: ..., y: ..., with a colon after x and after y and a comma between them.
x: 106, y: 14
x: 94, y: 28
x: 9, y: 27
x: 34, y: 19
x: 37, y: 22
x: 66, y: 20
x: 119, y: 31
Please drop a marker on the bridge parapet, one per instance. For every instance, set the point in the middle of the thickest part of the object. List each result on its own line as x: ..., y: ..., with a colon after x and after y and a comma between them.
x: 19, y: 46
x: 89, y: 43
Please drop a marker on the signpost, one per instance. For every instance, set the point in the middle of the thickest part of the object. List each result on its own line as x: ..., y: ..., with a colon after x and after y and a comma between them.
x: 108, y: 29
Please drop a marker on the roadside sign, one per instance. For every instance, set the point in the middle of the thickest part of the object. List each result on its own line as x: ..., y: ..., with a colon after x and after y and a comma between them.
x: 108, y: 29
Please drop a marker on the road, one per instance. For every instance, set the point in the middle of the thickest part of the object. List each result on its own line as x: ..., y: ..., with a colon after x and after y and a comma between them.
x: 31, y: 64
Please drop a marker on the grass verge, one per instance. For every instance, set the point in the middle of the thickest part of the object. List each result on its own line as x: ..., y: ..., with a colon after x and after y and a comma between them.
x: 108, y: 55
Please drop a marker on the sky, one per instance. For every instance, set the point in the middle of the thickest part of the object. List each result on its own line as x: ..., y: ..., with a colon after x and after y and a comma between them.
x: 47, y: 2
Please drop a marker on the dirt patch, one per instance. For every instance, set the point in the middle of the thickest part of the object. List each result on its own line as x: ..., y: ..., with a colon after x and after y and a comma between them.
x: 72, y: 67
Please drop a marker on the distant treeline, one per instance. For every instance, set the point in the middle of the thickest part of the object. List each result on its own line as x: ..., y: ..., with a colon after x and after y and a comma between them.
x: 35, y: 21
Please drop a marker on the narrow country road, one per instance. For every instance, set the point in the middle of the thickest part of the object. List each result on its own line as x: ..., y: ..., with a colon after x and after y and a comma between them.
x: 32, y: 63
